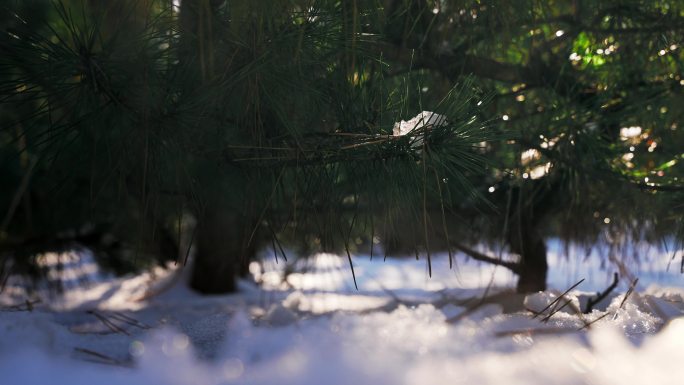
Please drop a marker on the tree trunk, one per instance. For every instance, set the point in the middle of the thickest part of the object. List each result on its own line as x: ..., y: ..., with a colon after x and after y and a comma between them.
x: 198, y: 31
x: 223, y: 252
x: 533, y: 269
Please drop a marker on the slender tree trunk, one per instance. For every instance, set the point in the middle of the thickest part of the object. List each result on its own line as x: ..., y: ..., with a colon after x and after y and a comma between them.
x: 199, y: 30
x: 223, y: 230
x: 527, y: 243
x: 222, y: 251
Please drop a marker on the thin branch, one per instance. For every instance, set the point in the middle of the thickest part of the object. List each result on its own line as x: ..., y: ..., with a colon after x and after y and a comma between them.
x: 601, y: 296
x: 476, y: 255
x: 558, y: 299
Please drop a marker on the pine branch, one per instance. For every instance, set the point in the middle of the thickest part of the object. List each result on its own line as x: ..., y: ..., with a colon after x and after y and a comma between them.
x: 476, y: 255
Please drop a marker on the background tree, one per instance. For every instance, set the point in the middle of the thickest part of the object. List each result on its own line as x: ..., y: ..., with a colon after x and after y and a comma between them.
x: 259, y: 119
x: 590, y: 89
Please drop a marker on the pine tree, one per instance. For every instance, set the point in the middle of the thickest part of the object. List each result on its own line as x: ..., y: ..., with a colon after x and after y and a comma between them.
x: 263, y: 120
x: 273, y: 123
x: 590, y: 89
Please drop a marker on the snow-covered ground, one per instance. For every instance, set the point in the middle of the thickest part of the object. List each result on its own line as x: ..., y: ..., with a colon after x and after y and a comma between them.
x: 399, y: 327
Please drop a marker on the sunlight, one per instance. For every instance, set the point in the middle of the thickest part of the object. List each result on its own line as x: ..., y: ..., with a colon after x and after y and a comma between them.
x: 630, y: 132
x: 529, y: 156
x: 540, y: 171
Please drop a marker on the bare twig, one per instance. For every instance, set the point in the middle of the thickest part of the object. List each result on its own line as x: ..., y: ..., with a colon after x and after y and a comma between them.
x: 558, y: 299
x: 601, y: 296
x: 476, y: 255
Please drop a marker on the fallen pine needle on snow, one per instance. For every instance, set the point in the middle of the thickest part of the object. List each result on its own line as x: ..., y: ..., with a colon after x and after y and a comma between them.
x: 101, y: 358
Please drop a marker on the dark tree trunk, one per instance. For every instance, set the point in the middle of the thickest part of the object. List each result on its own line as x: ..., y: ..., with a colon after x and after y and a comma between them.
x: 199, y: 29
x: 533, y: 267
x: 528, y: 206
x: 223, y: 252
x: 529, y: 244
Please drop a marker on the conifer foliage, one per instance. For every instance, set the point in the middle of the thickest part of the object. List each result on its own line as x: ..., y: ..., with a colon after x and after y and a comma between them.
x: 223, y: 126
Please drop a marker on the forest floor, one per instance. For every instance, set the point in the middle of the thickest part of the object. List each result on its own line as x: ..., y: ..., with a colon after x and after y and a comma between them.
x: 399, y: 327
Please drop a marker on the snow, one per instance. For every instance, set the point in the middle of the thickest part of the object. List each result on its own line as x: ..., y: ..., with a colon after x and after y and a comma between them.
x: 423, y: 119
x: 400, y: 327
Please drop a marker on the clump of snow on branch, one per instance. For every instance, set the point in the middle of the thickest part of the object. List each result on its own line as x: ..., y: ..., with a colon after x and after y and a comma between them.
x: 424, y: 119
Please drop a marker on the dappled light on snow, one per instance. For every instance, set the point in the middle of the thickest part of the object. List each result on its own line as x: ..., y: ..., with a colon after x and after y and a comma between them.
x: 400, y: 327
